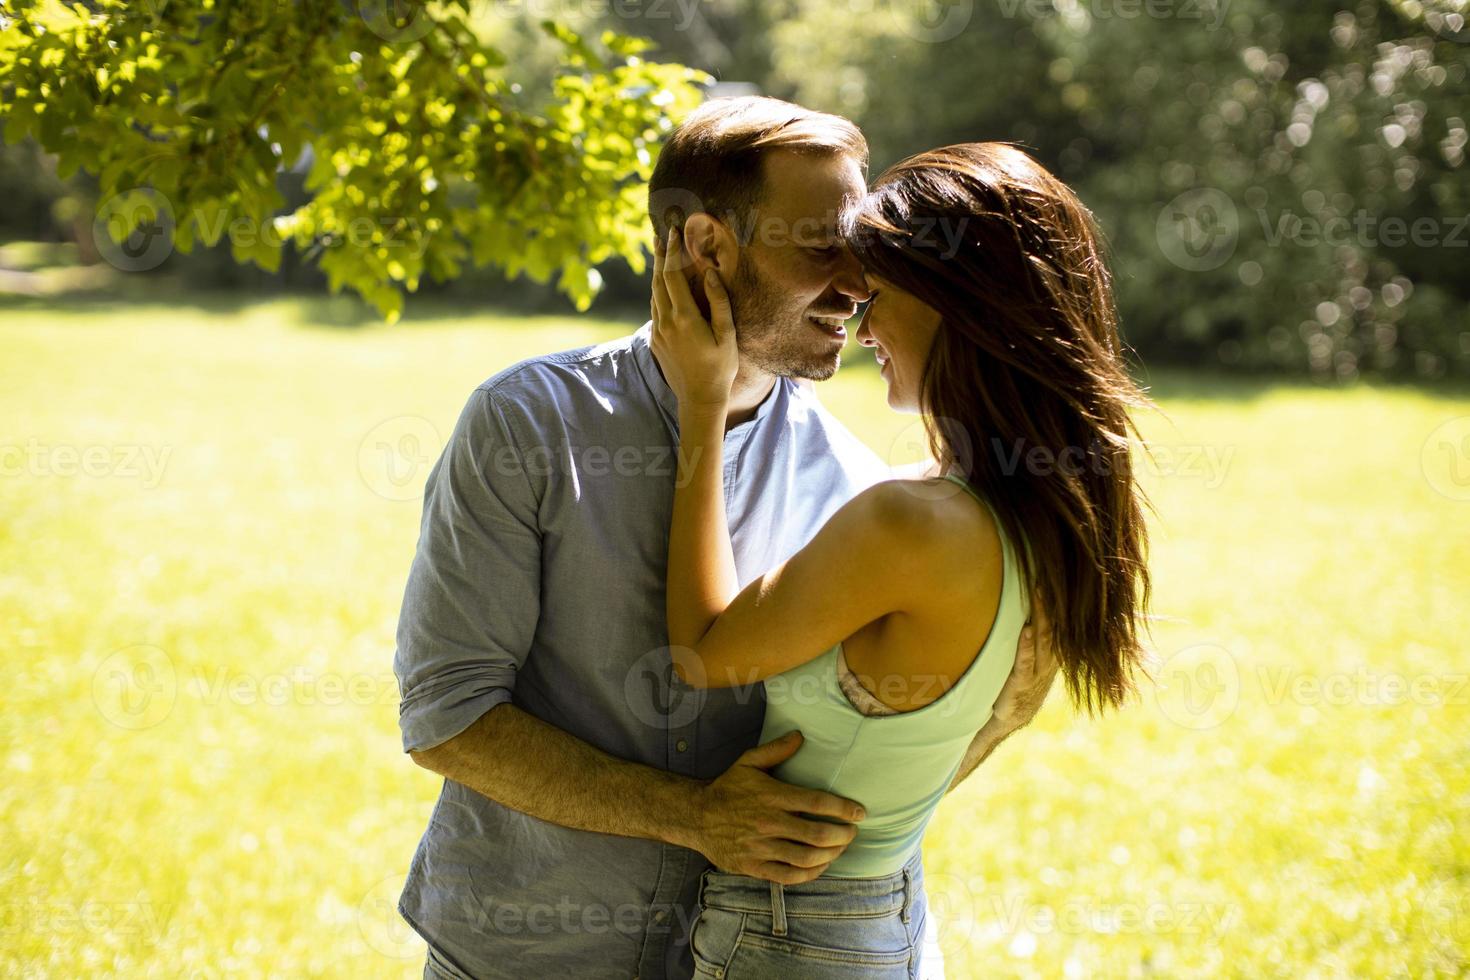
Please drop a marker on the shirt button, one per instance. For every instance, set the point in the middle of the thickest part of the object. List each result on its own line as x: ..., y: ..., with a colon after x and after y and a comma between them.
x: 682, y: 744
x: 659, y: 915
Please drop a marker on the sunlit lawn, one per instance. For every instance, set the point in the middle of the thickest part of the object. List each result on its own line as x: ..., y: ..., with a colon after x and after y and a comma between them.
x: 205, y: 523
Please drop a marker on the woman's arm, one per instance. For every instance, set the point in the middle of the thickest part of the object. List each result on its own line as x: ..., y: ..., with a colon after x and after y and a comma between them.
x: 857, y: 569
x: 881, y: 553
x: 702, y: 579
x: 699, y: 360
x: 865, y: 563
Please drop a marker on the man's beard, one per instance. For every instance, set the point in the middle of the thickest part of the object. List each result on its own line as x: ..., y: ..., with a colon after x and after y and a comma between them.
x: 776, y: 338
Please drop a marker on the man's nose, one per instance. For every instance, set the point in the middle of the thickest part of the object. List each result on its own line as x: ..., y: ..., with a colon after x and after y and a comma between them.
x: 850, y: 280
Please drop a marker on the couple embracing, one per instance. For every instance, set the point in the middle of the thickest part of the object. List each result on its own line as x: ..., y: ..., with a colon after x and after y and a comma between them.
x: 693, y: 721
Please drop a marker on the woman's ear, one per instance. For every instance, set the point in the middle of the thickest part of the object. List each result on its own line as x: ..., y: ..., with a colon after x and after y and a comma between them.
x: 709, y: 244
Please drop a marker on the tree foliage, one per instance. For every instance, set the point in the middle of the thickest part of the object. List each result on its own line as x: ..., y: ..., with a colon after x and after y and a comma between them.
x: 422, y: 153
x: 1284, y: 186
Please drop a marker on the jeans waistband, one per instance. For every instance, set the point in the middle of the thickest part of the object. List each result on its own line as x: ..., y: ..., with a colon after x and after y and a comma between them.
x: 826, y: 897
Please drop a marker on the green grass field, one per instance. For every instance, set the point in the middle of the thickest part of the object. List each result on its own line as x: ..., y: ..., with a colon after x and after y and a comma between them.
x: 207, y: 516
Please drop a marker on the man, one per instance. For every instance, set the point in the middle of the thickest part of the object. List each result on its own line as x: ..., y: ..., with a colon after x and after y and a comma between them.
x: 586, y: 790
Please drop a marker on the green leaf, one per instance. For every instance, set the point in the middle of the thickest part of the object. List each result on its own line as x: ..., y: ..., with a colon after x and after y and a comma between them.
x: 173, y: 95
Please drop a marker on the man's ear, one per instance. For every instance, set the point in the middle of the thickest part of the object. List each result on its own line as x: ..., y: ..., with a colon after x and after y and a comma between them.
x: 710, y: 244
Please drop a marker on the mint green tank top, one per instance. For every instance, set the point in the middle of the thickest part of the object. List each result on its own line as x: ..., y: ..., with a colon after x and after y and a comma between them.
x: 897, y: 766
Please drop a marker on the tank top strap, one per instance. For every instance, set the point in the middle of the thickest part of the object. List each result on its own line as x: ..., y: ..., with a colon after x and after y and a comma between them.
x: 952, y: 475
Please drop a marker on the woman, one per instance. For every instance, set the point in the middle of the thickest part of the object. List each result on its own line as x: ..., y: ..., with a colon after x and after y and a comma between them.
x: 887, y: 638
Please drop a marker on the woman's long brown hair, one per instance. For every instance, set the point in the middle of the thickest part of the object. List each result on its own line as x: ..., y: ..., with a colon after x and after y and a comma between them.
x: 1026, y: 393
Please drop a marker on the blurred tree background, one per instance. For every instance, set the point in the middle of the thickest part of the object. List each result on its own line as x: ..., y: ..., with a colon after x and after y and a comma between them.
x: 1284, y: 186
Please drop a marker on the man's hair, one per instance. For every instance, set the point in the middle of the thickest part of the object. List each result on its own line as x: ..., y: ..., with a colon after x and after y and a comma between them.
x: 713, y: 162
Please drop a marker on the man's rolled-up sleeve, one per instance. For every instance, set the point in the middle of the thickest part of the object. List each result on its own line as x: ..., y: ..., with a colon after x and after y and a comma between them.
x: 473, y: 595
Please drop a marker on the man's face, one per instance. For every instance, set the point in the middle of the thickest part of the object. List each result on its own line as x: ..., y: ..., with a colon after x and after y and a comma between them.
x: 795, y: 282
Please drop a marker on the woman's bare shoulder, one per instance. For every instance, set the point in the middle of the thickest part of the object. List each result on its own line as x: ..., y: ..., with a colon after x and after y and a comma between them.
x: 936, y: 516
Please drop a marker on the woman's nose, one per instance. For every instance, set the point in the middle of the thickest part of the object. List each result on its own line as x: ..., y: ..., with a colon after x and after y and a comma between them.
x: 864, y: 335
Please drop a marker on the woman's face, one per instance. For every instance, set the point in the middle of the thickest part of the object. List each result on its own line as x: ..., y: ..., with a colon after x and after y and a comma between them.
x: 901, y: 328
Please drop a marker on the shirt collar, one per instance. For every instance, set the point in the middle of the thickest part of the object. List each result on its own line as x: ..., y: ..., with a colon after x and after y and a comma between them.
x: 668, y: 402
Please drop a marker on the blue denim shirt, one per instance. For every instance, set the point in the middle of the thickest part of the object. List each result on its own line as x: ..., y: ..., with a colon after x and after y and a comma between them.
x: 539, y: 580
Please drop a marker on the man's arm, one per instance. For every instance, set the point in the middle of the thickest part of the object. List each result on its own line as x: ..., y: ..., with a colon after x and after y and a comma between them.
x: 1020, y: 698
x: 473, y: 596
x: 520, y: 761
x: 470, y: 611
x: 744, y: 821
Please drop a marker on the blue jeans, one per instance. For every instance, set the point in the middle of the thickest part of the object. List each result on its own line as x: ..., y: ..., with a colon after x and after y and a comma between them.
x: 827, y: 929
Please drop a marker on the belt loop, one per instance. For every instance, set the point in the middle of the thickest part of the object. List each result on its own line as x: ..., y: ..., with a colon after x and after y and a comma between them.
x: 778, y: 909
x: 907, y: 896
